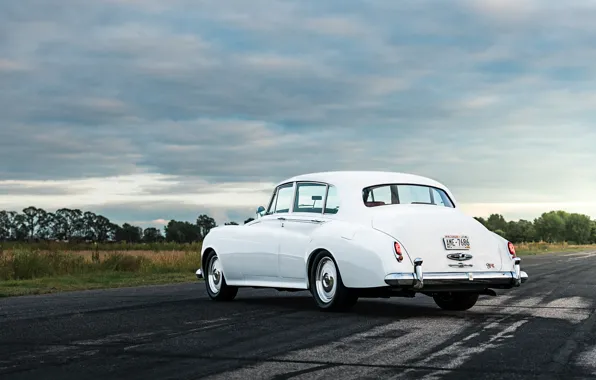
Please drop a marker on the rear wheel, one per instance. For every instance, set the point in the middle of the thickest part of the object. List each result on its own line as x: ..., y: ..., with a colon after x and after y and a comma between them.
x: 327, y: 287
x: 215, y: 281
x: 456, y: 301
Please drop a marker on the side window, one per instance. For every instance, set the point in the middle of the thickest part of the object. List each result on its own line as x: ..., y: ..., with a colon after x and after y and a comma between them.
x: 440, y: 198
x: 273, y: 202
x: 332, y: 205
x: 379, y: 196
x: 414, y: 194
x: 437, y: 198
x: 284, y: 199
x: 309, y: 197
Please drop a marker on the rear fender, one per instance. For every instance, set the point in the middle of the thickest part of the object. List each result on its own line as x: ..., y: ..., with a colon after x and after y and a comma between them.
x: 507, y: 259
x: 363, y: 260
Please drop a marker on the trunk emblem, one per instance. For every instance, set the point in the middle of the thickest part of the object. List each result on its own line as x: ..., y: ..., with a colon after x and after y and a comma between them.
x: 459, y: 256
x: 460, y: 265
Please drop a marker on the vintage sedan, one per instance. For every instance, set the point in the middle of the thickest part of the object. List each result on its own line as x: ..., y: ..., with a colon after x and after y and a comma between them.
x: 347, y: 235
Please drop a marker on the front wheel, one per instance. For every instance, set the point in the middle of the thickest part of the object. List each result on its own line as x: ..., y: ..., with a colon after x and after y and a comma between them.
x: 217, y: 288
x: 327, y: 287
x: 456, y: 301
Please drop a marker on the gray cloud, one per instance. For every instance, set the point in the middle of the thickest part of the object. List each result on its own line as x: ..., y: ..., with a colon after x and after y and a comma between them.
x: 33, y: 190
x: 495, y: 103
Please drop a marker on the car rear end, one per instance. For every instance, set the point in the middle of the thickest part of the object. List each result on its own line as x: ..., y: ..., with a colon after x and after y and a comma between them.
x: 447, y: 250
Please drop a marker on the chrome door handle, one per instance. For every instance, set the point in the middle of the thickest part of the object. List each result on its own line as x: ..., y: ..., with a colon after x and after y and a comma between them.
x: 280, y: 218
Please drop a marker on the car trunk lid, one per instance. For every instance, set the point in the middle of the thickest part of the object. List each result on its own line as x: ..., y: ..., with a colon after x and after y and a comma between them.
x: 444, y: 238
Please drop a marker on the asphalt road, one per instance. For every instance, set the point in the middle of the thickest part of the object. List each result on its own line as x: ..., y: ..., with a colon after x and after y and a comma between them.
x: 545, y: 329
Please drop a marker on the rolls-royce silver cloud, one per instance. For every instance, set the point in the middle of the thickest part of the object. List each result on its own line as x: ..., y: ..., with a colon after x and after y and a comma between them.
x: 347, y: 235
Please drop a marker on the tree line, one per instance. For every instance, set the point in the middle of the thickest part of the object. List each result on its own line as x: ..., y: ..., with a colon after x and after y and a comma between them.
x: 36, y: 224
x: 74, y: 225
x: 551, y: 227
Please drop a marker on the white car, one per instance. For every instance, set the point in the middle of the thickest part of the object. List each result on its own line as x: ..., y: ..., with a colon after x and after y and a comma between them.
x: 349, y: 235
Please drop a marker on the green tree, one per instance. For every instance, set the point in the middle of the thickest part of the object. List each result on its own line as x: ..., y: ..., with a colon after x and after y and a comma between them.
x: 182, y: 232
x: 152, y: 235
x: 33, y: 219
x: 578, y: 228
x: 7, y: 225
x: 550, y: 227
x: 520, y: 231
x: 205, y: 224
x: 496, y: 222
x: 129, y: 233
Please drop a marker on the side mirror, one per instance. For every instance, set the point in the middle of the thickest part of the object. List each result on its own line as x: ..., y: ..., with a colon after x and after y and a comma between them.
x: 260, y: 211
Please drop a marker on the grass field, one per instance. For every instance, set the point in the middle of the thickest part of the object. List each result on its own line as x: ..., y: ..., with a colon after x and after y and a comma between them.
x: 525, y: 249
x: 35, y: 271
x: 42, y: 268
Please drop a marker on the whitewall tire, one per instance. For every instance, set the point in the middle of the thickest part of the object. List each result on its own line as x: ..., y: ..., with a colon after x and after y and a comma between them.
x: 215, y: 281
x: 326, y: 284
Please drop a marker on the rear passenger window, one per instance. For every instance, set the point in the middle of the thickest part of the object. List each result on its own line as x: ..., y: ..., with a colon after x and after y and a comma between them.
x: 309, y: 197
x: 332, y: 205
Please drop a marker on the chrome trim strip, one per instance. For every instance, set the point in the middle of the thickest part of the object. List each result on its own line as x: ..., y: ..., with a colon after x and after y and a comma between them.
x: 450, y: 278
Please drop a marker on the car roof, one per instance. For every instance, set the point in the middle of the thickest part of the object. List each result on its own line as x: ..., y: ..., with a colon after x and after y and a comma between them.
x: 362, y: 179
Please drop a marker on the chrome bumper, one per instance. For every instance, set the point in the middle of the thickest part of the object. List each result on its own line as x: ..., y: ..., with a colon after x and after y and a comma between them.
x: 430, y: 280
x: 199, y: 274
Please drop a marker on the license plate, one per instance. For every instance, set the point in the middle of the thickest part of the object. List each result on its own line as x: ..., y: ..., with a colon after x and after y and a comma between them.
x: 456, y: 242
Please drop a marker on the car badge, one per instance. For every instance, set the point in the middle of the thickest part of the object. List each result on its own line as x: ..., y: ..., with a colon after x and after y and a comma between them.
x: 459, y: 256
x: 460, y: 265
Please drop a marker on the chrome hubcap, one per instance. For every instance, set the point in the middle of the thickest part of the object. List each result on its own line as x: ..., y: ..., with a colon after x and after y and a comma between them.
x: 325, y: 280
x: 215, y: 275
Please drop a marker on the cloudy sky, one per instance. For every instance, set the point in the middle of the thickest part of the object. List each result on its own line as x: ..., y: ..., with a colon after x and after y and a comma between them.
x: 150, y: 110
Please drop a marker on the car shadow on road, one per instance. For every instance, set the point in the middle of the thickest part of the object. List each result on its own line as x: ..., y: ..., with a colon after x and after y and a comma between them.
x: 367, y: 307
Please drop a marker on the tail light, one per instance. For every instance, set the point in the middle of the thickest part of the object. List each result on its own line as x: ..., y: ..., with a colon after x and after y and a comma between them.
x: 511, y: 249
x: 398, y: 253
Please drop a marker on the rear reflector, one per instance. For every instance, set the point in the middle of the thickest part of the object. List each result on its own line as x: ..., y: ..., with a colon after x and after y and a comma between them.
x: 398, y: 253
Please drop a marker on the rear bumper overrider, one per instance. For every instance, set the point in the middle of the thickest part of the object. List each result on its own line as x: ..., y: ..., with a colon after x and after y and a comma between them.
x: 418, y: 280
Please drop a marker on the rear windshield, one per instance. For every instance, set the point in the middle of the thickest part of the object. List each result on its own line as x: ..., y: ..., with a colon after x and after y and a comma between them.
x: 391, y: 194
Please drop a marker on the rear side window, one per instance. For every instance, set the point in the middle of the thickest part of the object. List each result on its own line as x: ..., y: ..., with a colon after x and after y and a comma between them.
x: 309, y: 197
x: 332, y: 205
x: 392, y: 194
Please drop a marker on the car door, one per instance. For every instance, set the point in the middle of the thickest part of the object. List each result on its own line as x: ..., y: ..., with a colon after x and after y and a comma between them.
x: 297, y: 228
x: 254, y: 253
x: 258, y: 258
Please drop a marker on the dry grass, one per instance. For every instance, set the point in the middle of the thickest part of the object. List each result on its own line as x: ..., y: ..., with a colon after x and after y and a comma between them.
x: 34, y: 271
x: 23, y: 264
x: 544, y: 247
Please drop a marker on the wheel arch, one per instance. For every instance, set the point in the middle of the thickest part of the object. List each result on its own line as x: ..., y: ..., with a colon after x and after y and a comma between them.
x: 310, y: 261
x: 204, y: 256
x: 363, y: 258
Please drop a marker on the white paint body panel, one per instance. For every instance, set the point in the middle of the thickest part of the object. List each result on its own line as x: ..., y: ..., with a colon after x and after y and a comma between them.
x: 275, y: 253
